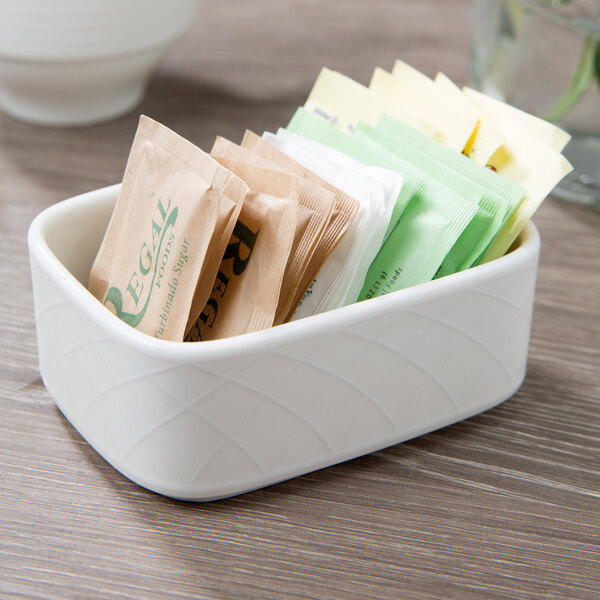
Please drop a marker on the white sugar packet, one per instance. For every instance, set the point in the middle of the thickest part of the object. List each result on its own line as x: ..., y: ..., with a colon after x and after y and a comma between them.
x: 341, y: 278
x: 392, y: 180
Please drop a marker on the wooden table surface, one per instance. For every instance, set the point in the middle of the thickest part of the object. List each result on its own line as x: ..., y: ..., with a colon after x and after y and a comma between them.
x: 503, y: 505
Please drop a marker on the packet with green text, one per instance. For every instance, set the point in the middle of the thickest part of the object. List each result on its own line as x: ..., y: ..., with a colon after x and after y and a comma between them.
x: 342, y: 216
x: 175, y: 202
x: 315, y: 205
x: 246, y: 290
x: 427, y: 230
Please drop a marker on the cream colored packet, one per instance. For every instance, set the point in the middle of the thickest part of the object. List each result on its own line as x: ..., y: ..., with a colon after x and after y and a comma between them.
x: 405, y: 89
x: 528, y: 155
x: 524, y: 159
x: 548, y: 133
x: 486, y: 138
x: 344, y: 102
x: 150, y: 260
x: 315, y: 205
x: 246, y: 290
x: 343, y: 214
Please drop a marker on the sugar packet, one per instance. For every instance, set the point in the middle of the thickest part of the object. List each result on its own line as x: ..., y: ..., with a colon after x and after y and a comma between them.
x: 315, y: 205
x: 499, y: 111
x: 312, y: 127
x: 523, y: 148
x: 392, y: 181
x: 428, y: 227
x: 490, y: 210
x: 246, y: 290
x: 519, y: 146
x: 414, y: 94
x: 496, y: 196
x: 527, y: 160
x: 344, y: 102
x: 343, y: 214
x: 426, y: 232
x: 340, y: 279
x: 151, y: 264
x: 486, y: 138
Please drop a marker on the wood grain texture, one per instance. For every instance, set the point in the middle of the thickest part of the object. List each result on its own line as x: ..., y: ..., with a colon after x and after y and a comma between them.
x: 503, y: 505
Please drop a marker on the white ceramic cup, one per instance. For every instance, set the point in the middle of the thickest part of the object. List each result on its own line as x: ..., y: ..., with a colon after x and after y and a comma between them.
x: 78, y: 62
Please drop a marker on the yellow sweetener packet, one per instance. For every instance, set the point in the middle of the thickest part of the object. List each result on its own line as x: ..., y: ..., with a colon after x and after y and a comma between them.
x: 524, y: 159
x: 548, y: 133
x: 529, y: 154
x: 416, y: 93
x: 486, y: 138
x: 344, y: 102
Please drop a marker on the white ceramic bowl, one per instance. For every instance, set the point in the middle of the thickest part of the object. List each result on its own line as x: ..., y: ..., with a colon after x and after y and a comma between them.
x: 77, y: 62
x: 213, y: 419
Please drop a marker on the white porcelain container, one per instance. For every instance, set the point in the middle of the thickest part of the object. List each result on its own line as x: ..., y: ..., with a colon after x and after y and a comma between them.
x: 78, y: 62
x: 213, y: 419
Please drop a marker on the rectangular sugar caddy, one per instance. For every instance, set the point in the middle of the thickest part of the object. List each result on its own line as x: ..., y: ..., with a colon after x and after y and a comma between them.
x: 214, y: 419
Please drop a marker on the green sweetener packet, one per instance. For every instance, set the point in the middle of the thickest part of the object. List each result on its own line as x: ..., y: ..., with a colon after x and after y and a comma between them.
x: 427, y: 228
x: 488, y: 216
x: 418, y: 244
x: 498, y: 197
x: 315, y: 128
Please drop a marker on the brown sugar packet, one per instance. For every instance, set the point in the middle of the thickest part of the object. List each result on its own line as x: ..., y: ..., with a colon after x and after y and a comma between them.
x: 341, y: 218
x: 147, y: 268
x: 315, y: 205
x: 229, y: 210
x: 246, y: 290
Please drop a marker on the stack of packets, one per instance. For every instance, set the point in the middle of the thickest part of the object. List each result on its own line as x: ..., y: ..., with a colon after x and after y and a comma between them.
x: 367, y: 191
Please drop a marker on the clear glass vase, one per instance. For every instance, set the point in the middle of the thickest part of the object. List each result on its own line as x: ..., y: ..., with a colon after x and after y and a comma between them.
x: 544, y: 56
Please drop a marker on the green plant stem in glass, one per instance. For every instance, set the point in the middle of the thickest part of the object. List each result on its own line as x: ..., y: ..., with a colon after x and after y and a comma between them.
x: 587, y: 72
x: 543, y: 56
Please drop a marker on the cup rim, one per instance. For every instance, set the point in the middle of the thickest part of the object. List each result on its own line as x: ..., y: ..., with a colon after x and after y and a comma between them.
x: 586, y: 25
